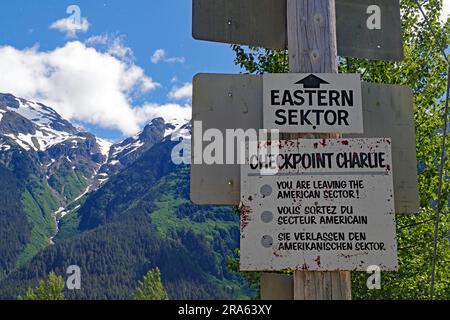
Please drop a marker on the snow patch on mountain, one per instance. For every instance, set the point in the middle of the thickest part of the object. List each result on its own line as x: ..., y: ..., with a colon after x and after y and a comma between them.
x: 182, y: 133
x: 41, y: 140
x: 105, y: 146
x: 37, y: 113
x: 4, y: 147
x: 175, y: 126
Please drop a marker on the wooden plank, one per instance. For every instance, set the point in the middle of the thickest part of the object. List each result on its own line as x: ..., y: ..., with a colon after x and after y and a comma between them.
x: 276, y: 286
x: 356, y: 40
x: 299, y: 286
x: 223, y: 102
x: 388, y: 113
x: 254, y: 23
x: 327, y: 286
x: 313, y: 48
x: 312, y: 36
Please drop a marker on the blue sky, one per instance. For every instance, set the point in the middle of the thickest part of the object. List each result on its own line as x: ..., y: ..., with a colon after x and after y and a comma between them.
x: 101, y: 75
x: 142, y: 26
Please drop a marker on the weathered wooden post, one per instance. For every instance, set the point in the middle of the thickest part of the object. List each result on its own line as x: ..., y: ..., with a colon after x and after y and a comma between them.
x: 313, y: 48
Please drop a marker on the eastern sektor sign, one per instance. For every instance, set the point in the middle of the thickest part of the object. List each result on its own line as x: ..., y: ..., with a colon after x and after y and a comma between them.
x: 223, y: 101
x: 365, y: 28
x: 305, y: 103
x: 330, y: 207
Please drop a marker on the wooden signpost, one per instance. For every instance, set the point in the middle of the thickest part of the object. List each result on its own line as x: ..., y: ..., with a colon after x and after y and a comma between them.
x: 308, y: 28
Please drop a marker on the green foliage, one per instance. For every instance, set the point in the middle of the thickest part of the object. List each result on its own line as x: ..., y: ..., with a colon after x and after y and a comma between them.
x: 42, y: 227
x: 68, y: 182
x: 52, y: 289
x: 154, y: 226
x: 151, y: 288
x: 258, y: 61
x: 425, y: 70
x: 253, y: 279
x: 121, y: 192
x: 114, y: 257
x: 68, y: 227
x: 38, y: 204
x: 14, y: 228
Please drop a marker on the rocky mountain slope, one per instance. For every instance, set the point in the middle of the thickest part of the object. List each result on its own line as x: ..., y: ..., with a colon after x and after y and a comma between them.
x: 121, y: 211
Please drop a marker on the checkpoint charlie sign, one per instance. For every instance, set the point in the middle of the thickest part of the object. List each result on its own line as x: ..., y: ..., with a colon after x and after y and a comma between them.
x: 330, y: 206
x: 305, y: 103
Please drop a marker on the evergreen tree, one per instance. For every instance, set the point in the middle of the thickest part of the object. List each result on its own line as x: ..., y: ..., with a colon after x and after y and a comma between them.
x: 151, y: 288
x: 52, y: 289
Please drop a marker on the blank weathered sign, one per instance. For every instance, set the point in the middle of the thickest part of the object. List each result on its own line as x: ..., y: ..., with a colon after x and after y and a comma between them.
x: 329, y: 207
x: 365, y: 28
x: 388, y: 112
x: 223, y: 102
x: 250, y: 22
x: 235, y: 101
x: 359, y: 35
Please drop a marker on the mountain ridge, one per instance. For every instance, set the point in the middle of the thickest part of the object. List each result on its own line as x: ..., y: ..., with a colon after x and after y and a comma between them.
x: 115, y: 213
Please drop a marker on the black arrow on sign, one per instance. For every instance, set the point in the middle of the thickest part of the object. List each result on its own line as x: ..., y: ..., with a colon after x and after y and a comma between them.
x: 312, y: 82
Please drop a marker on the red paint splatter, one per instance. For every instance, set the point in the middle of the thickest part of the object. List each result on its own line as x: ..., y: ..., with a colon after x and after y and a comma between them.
x: 345, y: 142
x: 323, y: 142
x: 277, y: 254
x: 305, y: 267
x: 245, y: 218
x: 318, y: 262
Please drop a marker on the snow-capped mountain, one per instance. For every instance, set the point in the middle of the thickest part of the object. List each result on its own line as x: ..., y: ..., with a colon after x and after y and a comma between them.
x: 34, y: 126
x: 126, y: 152
x: 72, y: 161
x: 72, y: 198
x: 50, y: 148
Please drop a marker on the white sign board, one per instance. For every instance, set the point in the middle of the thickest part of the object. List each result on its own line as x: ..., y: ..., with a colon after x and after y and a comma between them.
x: 329, y: 207
x: 313, y: 103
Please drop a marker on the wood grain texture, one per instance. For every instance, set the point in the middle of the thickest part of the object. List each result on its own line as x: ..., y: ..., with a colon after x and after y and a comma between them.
x: 312, y: 36
x: 313, y: 48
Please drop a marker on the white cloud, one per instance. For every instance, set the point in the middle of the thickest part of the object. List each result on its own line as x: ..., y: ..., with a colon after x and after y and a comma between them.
x: 180, y: 93
x: 170, y: 112
x: 158, y: 55
x: 82, y: 84
x: 161, y: 55
x: 175, y: 60
x: 70, y: 27
x: 113, y: 44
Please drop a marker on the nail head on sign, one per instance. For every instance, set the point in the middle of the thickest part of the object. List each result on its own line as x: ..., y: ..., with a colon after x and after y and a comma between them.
x: 315, y: 54
x: 266, y: 190
x: 318, y: 18
x: 267, y: 241
x: 267, y: 217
